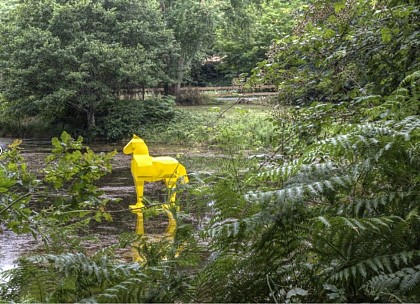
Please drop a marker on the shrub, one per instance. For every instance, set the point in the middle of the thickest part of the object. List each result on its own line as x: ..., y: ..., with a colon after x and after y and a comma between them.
x: 124, y: 117
x: 158, y: 109
x: 194, y: 97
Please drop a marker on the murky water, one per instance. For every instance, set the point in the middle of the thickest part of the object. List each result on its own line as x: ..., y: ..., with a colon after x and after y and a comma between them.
x: 117, y: 185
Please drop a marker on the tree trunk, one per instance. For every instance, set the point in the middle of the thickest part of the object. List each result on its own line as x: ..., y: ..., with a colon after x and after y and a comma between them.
x: 176, y: 88
x: 172, y: 89
x: 91, y: 123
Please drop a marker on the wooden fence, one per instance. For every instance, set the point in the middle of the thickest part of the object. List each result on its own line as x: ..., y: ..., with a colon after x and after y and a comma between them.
x: 222, y: 91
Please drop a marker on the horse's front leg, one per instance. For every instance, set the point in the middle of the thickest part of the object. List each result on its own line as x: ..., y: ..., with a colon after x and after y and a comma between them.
x: 139, y: 184
x: 138, y: 207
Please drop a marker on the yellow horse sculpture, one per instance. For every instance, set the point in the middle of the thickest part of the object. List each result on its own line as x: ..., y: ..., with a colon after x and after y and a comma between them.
x: 146, y: 168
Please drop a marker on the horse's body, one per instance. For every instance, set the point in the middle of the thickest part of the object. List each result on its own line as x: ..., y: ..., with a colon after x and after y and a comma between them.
x: 146, y: 168
x: 152, y: 169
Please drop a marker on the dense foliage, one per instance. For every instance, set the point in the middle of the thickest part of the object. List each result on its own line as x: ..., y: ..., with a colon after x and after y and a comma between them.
x: 339, y: 222
x: 64, y: 63
x: 68, y: 60
x: 345, y: 49
x: 64, y: 191
x: 122, y: 119
x: 331, y: 215
x: 245, y: 40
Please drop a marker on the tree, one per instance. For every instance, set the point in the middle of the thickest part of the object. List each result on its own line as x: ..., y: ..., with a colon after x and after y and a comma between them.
x: 244, y: 35
x: 69, y: 59
x: 6, y: 5
x: 192, y: 23
x: 344, y: 49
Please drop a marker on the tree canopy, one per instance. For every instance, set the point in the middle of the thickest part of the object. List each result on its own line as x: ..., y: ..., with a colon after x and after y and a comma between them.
x: 62, y: 57
x: 68, y: 62
x: 192, y: 23
x: 244, y: 38
x: 344, y: 49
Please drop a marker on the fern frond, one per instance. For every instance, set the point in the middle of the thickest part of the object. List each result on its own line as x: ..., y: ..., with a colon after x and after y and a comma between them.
x: 367, y: 206
x: 372, y: 129
x: 289, y: 170
x: 126, y: 291
x: 343, y: 141
x: 415, y: 76
x: 297, y: 193
x: 367, y: 134
x: 80, y: 264
x: 231, y: 227
x: 377, y: 265
x: 367, y: 98
x: 228, y: 227
x: 399, y: 282
x: 408, y: 125
x: 282, y: 172
x: 357, y: 224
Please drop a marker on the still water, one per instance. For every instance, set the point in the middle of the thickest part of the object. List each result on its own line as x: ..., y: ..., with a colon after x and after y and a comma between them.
x: 117, y: 185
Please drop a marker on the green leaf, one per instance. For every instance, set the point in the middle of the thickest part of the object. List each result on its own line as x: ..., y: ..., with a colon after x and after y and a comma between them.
x: 386, y: 34
x: 338, y: 6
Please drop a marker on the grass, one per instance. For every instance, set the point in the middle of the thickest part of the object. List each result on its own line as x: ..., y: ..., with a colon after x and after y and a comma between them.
x: 259, y: 106
x: 244, y: 126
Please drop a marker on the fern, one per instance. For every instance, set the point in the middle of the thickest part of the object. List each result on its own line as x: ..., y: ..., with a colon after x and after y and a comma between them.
x: 401, y: 283
x: 232, y: 227
x: 70, y: 277
x: 282, y: 172
x: 129, y: 290
x: 362, y: 207
x: 297, y: 193
x: 80, y: 264
x: 377, y: 265
x: 356, y: 224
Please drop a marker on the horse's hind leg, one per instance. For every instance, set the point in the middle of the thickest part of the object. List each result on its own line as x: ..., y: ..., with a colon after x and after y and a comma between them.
x: 170, y: 230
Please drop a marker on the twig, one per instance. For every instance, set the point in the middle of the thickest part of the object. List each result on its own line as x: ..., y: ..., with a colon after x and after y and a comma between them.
x: 15, y: 201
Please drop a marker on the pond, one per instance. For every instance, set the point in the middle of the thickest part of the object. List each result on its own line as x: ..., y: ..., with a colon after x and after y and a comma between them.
x: 117, y: 185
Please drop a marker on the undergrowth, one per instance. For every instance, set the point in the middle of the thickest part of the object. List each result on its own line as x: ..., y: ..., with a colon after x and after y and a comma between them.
x: 213, y: 128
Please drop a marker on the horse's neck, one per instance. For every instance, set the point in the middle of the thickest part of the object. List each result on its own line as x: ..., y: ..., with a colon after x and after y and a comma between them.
x: 141, y: 150
x: 142, y: 160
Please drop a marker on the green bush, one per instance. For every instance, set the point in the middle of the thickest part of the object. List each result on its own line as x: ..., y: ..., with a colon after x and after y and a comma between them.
x: 158, y: 109
x: 193, y: 97
x: 124, y: 117
x: 13, y: 123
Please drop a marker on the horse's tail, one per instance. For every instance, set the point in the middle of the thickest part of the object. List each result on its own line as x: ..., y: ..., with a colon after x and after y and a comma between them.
x: 182, y: 173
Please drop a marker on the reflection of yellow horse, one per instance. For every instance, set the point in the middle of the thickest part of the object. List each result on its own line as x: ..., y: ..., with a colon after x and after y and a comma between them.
x: 146, y: 168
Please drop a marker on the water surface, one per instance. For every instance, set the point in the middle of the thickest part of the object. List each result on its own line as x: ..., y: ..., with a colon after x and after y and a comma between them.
x: 117, y: 185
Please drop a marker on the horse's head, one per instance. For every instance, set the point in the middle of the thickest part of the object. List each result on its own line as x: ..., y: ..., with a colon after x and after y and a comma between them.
x: 136, y: 146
